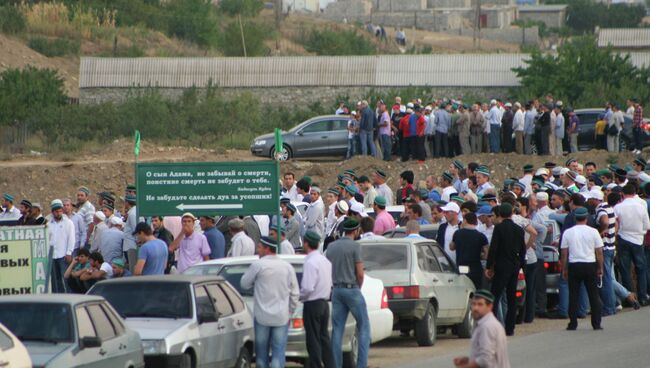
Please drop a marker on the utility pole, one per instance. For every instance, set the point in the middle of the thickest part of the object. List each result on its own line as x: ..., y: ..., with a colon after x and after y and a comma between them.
x: 278, y: 19
x: 477, y: 27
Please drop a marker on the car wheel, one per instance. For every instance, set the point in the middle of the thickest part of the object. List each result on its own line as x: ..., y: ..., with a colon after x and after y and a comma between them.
x: 425, y: 329
x: 464, y: 330
x: 244, y: 359
x: 286, y: 153
x: 350, y: 358
x: 186, y: 361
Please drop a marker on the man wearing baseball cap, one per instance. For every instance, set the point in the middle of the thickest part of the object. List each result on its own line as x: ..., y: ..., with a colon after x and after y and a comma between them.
x: 275, y: 294
x: 446, y: 231
x: 193, y: 246
x: 61, y: 235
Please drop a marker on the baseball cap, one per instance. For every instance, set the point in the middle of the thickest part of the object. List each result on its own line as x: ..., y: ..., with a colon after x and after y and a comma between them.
x: 450, y: 207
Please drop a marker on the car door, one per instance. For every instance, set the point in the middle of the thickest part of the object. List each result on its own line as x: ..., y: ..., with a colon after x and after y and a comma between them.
x: 127, y: 350
x: 586, y: 138
x: 451, y: 297
x: 241, y: 317
x: 226, y: 325
x: 88, y: 356
x: 112, y: 349
x: 211, y: 332
x: 313, y: 139
x: 338, y: 141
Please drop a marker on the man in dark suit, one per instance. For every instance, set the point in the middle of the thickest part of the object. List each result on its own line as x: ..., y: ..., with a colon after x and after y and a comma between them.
x: 506, y: 256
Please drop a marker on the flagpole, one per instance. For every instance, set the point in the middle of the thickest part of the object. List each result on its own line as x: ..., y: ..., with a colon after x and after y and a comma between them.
x: 136, y: 153
x: 280, y: 144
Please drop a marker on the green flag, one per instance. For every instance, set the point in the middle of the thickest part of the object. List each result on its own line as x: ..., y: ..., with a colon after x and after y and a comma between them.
x: 136, y: 144
x: 278, y: 143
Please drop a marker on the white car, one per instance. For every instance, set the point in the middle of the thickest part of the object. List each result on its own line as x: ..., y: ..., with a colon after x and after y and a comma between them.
x: 12, y: 352
x: 380, y: 316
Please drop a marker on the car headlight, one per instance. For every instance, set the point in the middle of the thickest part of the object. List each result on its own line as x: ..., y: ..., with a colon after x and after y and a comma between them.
x: 260, y: 142
x: 154, y: 347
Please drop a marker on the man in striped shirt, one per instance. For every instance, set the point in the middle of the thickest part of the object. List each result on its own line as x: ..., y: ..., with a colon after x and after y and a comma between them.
x: 606, y: 220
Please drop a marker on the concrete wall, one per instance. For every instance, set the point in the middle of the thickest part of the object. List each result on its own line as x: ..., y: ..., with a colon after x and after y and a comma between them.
x: 400, y: 5
x: 347, y: 9
x: 433, y: 4
x: 528, y: 36
x: 551, y: 19
x: 296, y: 96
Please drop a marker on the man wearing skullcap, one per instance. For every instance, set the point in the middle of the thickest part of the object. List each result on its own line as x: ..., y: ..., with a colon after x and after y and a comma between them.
x: 275, y: 293
x: 242, y: 244
x: 130, y: 222
x: 489, y: 347
x: 112, y: 240
x: 331, y: 197
x: 61, y: 236
x: 347, y: 279
x: 315, y: 290
x: 336, y: 232
x: 315, y: 215
x: 86, y: 211
x: 10, y: 213
x: 25, y: 213
x: 483, y: 180
x: 369, y: 192
x: 80, y: 226
x: 99, y: 222
x: 291, y: 225
x: 285, y: 246
x: 379, y: 180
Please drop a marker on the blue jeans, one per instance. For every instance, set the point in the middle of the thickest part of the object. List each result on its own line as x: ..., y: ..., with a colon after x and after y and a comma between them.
x: 345, y: 301
x: 386, y: 146
x: 607, y: 291
x: 367, y: 142
x: 352, y: 147
x: 495, y: 138
x: 563, y: 300
x: 59, y: 265
x: 273, y: 339
x: 619, y: 290
x: 632, y: 253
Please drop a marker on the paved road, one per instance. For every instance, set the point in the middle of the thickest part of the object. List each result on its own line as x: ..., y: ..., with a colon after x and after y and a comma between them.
x: 624, y: 342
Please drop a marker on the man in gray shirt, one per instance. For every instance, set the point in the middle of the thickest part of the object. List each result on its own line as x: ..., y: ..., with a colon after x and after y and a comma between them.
x: 367, y: 129
x: 276, y: 294
x: 347, y: 279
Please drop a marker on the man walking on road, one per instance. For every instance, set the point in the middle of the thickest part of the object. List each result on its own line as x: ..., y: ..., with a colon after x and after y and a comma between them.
x: 347, y: 278
x: 506, y: 256
x: 582, y: 257
x: 489, y: 345
x: 315, y: 290
x: 275, y: 295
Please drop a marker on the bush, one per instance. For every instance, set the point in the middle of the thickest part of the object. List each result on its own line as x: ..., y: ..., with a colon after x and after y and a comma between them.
x: 12, y: 20
x: 333, y: 42
x: 54, y: 47
x: 193, y: 20
x: 254, y: 36
x: 583, y: 16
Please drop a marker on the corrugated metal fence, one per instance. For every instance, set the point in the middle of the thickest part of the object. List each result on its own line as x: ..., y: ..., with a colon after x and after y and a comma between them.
x: 458, y: 70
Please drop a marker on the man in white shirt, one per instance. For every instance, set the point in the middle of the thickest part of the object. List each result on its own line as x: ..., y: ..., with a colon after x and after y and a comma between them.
x: 633, y: 223
x: 379, y: 180
x: 315, y: 216
x: 315, y: 290
x: 518, y: 127
x: 62, y: 238
x: 582, y: 257
x: 447, y: 186
x: 10, y: 212
x: 275, y: 294
x: 289, y: 188
x: 242, y: 244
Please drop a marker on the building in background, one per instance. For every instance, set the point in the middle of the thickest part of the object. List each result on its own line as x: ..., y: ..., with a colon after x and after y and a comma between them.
x: 553, y: 16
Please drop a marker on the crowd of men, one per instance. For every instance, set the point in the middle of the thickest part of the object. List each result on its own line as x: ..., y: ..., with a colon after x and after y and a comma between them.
x: 447, y: 128
x: 596, y: 217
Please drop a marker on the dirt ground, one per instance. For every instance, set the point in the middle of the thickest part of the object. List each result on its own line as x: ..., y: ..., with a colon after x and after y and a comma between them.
x: 43, y: 178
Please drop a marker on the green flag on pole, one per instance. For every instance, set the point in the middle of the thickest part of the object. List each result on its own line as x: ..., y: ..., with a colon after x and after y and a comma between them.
x: 136, y: 144
x: 278, y: 143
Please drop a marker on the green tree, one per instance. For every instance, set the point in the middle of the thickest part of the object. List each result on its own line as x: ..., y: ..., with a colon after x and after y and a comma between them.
x: 245, y: 8
x: 583, y: 16
x: 582, y: 74
x: 254, y: 35
x: 27, y: 92
x: 193, y: 20
x: 334, y: 42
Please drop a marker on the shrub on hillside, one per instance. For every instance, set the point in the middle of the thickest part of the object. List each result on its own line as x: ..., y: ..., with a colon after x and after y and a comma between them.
x: 333, y: 42
x: 54, y: 47
x: 12, y: 20
x: 254, y: 37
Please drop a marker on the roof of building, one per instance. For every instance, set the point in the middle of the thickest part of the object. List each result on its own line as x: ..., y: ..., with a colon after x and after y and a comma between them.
x: 624, y: 37
x: 542, y: 8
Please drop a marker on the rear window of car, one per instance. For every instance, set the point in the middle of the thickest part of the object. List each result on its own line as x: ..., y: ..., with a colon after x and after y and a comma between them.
x: 147, y: 299
x: 384, y: 256
x: 234, y: 273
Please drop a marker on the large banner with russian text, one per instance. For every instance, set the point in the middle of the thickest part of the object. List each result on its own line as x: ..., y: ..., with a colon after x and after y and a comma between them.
x: 23, y: 259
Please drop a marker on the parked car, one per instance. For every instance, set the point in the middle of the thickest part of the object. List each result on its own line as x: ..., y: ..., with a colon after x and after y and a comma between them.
x: 428, y: 231
x: 381, y: 318
x: 13, y: 353
x: 425, y: 290
x: 67, y: 330
x: 586, y: 137
x: 325, y: 135
x: 184, y: 321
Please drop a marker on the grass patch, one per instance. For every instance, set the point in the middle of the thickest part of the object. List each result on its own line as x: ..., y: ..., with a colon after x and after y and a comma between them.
x: 54, y: 47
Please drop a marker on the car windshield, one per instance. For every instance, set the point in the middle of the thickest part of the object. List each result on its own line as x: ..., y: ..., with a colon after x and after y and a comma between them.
x: 203, y: 270
x: 147, y: 299
x: 234, y: 273
x: 45, y: 322
x: 384, y: 256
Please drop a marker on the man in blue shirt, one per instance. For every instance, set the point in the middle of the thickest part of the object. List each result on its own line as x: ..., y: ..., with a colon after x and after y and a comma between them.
x: 152, y: 257
x: 529, y: 127
x: 443, y: 122
x: 215, y: 238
